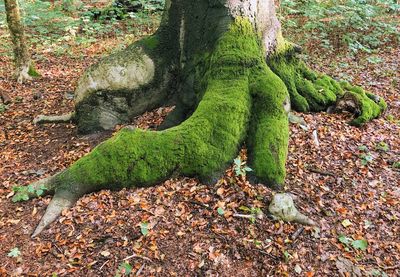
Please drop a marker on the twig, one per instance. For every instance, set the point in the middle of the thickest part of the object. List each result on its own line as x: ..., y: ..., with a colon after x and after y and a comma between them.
x: 137, y: 256
x: 103, y: 264
x: 297, y: 233
x: 316, y: 170
x: 390, y: 267
x: 249, y: 216
x: 266, y: 253
x: 140, y: 269
x: 198, y: 204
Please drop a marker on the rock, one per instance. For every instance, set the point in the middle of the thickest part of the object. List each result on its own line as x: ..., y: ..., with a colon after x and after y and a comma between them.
x: 282, y: 207
x: 298, y: 120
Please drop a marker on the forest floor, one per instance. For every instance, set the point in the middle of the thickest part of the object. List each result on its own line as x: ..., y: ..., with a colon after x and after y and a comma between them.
x: 349, y: 184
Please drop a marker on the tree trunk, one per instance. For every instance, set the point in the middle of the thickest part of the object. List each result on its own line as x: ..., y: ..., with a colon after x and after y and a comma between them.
x: 24, y: 69
x: 228, y: 70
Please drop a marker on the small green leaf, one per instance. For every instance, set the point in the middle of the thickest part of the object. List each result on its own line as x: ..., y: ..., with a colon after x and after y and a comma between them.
x: 220, y: 211
x: 363, y: 148
x: 248, y: 169
x: 20, y: 196
x: 360, y: 244
x: 17, y: 188
x: 126, y: 267
x: 14, y: 252
x: 30, y: 189
x: 345, y: 240
x: 238, y: 162
x: 244, y: 208
x: 287, y: 256
x: 144, y: 228
x: 39, y: 192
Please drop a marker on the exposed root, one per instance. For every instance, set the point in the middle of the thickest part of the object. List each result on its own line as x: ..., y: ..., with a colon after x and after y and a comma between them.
x: 23, y: 74
x: 61, y: 200
x: 65, y: 118
x: 365, y: 106
x: 311, y: 91
x: 282, y: 207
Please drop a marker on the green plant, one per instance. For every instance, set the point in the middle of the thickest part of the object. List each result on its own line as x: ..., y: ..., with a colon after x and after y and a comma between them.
x: 382, y: 146
x: 363, y: 148
x: 124, y: 269
x: 144, y: 228
x: 240, y: 167
x: 3, y: 108
x: 360, y: 25
x: 14, y: 252
x: 254, y: 212
x: 355, y: 244
x: 366, y: 158
x: 23, y: 192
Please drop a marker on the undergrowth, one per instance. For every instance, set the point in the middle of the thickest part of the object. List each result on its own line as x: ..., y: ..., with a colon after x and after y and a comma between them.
x: 60, y: 28
x: 352, y: 25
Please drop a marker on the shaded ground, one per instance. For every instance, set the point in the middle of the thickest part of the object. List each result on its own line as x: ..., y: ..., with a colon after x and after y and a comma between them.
x: 187, y: 236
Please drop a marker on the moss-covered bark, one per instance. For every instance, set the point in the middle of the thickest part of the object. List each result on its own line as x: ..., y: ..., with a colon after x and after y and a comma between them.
x: 311, y: 91
x: 268, y: 136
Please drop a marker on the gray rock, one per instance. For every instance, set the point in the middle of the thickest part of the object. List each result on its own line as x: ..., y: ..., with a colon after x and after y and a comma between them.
x: 282, y: 207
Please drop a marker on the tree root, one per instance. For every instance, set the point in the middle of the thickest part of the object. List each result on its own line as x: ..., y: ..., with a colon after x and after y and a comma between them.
x: 62, y: 200
x: 313, y: 92
x: 282, y: 207
x: 65, y: 118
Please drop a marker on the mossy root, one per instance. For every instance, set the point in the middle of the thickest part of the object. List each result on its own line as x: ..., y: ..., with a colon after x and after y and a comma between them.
x: 311, y: 91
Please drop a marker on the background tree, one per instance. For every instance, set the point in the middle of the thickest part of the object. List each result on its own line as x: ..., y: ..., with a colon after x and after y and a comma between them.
x: 24, y: 69
x: 232, y: 76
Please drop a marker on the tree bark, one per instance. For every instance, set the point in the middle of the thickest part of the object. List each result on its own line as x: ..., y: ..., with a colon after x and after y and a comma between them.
x: 24, y: 69
x: 227, y: 68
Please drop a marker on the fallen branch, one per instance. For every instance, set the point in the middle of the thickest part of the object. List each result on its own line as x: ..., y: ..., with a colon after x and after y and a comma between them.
x: 65, y: 118
x: 316, y: 170
x: 137, y: 256
x: 297, y: 233
x: 390, y: 267
x: 248, y: 216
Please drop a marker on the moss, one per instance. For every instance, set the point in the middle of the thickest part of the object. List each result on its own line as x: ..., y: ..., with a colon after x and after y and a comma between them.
x: 287, y: 73
x: 151, y: 42
x: 309, y: 90
x: 32, y: 71
x: 369, y: 105
x: 268, y: 133
x: 200, y: 146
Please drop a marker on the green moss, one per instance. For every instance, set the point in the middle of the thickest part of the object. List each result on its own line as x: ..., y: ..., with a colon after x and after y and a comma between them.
x: 201, y: 146
x: 287, y: 72
x: 32, y: 71
x: 268, y: 133
x: 151, y: 42
x: 312, y: 91
x: 369, y: 105
x: 309, y: 91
